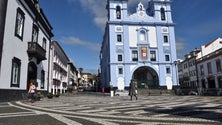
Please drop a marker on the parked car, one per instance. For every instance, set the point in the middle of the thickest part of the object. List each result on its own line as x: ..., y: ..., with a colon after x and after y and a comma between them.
x: 193, y: 93
x: 80, y: 89
x: 121, y: 92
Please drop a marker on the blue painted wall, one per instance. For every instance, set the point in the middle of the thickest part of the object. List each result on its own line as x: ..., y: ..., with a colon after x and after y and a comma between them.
x: 154, y: 27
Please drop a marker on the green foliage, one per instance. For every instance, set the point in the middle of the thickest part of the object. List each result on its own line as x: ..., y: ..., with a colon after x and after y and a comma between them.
x: 39, y: 95
x: 57, y: 94
x: 50, y: 95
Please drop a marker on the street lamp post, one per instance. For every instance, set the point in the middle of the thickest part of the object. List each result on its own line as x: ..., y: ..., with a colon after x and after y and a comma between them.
x: 176, y: 68
x: 111, y: 89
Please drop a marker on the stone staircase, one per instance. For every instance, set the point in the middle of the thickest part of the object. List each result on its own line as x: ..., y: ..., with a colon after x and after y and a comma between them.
x: 155, y: 92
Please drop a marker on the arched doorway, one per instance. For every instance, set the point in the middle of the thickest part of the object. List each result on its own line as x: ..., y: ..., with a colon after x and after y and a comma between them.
x: 32, y: 73
x: 146, y: 78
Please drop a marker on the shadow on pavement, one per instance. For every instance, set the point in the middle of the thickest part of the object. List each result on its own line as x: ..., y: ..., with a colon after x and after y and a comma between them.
x: 208, y: 113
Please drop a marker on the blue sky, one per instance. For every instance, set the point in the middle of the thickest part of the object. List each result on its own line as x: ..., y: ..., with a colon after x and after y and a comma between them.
x: 78, y: 25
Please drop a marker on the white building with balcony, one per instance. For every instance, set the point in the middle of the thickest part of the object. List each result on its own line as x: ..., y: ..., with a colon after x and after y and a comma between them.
x: 209, y: 65
x: 188, y: 71
x: 72, y: 74
x: 25, y: 36
x: 58, y: 69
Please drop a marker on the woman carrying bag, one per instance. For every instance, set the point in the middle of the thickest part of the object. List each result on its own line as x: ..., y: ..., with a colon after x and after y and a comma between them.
x: 32, y: 90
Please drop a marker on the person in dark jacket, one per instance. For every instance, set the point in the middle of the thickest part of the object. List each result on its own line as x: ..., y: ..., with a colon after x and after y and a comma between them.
x: 133, y: 89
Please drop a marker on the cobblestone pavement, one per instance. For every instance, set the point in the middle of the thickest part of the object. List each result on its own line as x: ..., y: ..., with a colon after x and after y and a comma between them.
x: 105, y: 110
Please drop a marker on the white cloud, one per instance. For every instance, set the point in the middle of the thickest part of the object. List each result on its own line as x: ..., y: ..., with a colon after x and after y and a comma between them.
x: 98, y: 9
x: 180, y: 47
x: 92, y: 71
x: 77, y: 41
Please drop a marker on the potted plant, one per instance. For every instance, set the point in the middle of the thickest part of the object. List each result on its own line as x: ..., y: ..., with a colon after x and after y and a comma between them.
x: 57, y: 94
x: 39, y: 96
x: 50, y: 95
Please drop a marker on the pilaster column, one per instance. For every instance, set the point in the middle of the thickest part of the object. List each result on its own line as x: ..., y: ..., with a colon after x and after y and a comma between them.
x: 216, y: 82
x: 3, y: 9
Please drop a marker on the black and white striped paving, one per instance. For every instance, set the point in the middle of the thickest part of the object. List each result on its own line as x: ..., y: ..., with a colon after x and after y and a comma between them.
x: 105, y: 110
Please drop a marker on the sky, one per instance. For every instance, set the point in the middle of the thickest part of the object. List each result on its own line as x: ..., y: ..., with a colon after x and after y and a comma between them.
x: 78, y: 25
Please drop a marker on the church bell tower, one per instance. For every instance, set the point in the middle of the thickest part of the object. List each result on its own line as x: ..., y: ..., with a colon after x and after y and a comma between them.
x: 161, y: 10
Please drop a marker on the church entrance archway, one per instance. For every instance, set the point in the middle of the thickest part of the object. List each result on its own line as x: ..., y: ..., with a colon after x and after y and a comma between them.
x: 32, y: 73
x: 146, y: 78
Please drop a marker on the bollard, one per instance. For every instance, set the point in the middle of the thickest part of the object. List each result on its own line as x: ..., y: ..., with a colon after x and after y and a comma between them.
x: 103, y: 89
x: 111, y: 93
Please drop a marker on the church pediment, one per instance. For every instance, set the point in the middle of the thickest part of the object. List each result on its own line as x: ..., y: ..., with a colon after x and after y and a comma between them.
x: 140, y: 14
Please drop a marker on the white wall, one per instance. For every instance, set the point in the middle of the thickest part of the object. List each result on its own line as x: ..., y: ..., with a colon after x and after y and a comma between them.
x: 210, y: 47
x: 15, y: 47
x: 133, y: 36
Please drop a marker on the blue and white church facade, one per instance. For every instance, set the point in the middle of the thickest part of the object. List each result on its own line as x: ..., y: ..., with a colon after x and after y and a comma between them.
x: 139, y: 46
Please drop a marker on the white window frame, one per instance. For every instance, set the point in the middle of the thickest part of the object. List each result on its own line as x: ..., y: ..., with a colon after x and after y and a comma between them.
x: 19, y: 24
x: 15, y: 72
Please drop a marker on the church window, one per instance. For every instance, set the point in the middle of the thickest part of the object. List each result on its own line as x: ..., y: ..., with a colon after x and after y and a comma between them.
x: 120, y: 70
x: 168, y: 70
x: 141, y: 7
x: 135, y: 55
x: 165, y: 39
x: 142, y: 35
x: 19, y: 24
x: 167, y: 57
x: 119, y: 38
x: 118, y: 12
x: 120, y: 57
x: 162, y: 13
x: 152, y: 55
x: 119, y: 29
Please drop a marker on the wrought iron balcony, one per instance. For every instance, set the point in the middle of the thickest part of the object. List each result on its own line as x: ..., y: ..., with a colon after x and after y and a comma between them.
x: 35, y: 50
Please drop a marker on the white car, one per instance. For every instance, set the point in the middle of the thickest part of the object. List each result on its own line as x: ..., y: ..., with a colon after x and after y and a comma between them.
x: 80, y: 89
x: 121, y: 92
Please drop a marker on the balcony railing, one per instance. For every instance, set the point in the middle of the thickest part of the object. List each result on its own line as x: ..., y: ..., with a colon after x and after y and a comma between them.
x: 35, y: 50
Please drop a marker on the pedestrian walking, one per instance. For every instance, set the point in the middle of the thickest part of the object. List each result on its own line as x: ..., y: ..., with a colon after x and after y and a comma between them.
x: 133, y: 89
x: 32, y: 90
